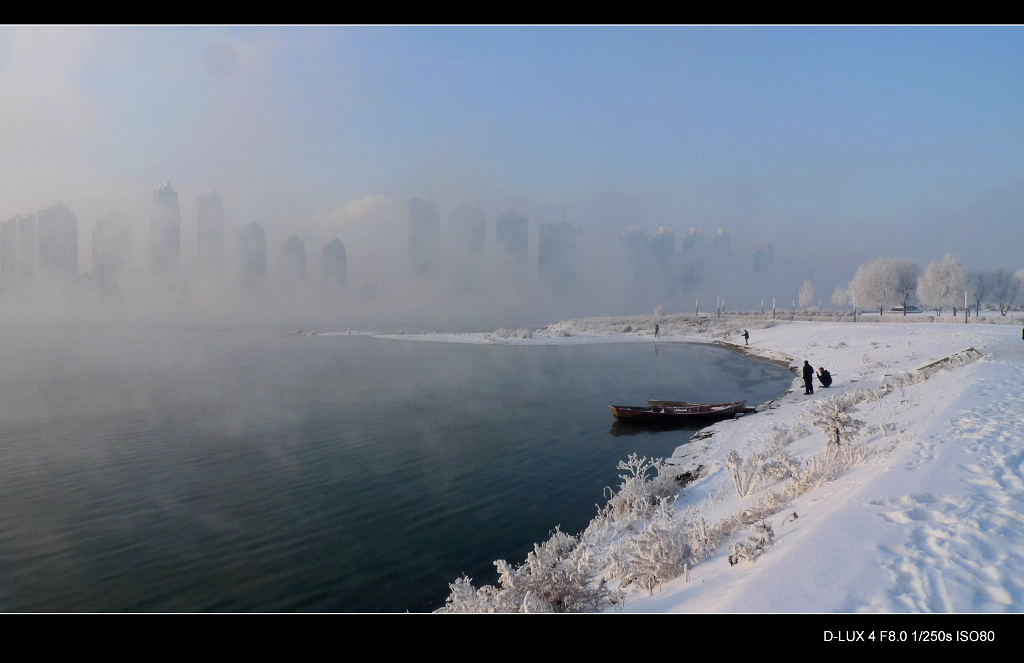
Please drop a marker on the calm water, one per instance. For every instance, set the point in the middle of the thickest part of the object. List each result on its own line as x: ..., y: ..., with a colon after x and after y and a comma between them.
x: 253, y: 471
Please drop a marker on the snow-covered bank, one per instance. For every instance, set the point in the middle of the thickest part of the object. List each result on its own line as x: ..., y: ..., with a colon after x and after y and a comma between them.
x: 917, y: 510
x: 930, y: 522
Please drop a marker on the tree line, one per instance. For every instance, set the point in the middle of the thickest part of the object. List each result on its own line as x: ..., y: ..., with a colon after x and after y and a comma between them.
x: 897, y: 282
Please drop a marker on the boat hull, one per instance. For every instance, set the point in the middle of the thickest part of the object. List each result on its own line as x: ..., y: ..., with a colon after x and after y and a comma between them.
x: 677, y: 414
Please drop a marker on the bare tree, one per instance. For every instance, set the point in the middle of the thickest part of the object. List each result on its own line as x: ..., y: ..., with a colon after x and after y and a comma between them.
x: 979, y: 286
x: 943, y: 284
x: 1005, y: 289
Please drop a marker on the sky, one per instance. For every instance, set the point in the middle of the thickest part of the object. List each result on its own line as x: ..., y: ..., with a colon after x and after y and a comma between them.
x: 837, y: 144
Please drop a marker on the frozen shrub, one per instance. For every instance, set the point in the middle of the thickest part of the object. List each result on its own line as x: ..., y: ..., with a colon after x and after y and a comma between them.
x: 637, y: 495
x: 513, y: 333
x: 558, y: 576
x: 834, y: 416
x: 756, y: 544
x: 745, y: 473
x: 703, y: 540
x: 464, y: 598
x: 660, y: 553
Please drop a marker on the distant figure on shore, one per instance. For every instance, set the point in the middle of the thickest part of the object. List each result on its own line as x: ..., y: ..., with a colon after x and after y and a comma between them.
x: 656, y: 328
x: 808, y: 378
x: 746, y: 337
x: 825, y: 377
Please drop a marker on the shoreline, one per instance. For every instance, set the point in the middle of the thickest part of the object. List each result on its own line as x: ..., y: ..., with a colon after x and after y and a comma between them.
x: 908, y: 386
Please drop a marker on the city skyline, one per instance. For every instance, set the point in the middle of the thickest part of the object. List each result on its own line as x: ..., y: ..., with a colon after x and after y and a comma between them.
x: 834, y: 144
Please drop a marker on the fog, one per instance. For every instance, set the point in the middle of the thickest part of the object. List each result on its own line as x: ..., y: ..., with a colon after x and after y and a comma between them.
x: 792, y: 153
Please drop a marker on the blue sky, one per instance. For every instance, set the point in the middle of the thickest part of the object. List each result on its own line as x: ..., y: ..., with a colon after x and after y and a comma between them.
x: 846, y: 141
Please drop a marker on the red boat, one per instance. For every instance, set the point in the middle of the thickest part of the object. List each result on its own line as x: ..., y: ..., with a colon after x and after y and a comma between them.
x: 674, y: 414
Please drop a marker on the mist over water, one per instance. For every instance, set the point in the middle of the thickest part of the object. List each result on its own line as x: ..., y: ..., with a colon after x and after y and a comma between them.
x: 213, y: 470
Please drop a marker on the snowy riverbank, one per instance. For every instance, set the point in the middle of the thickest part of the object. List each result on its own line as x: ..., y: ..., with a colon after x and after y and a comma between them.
x: 919, y: 510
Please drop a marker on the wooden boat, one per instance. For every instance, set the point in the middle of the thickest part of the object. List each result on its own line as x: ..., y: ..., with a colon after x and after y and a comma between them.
x: 677, y: 413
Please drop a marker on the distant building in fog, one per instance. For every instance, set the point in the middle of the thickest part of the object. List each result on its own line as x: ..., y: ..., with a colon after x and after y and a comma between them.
x: 57, y: 243
x: 559, y: 253
x: 39, y: 245
x: 721, y: 244
x: 693, y: 241
x: 466, y: 233
x: 656, y: 269
x: 26, y: 248
x: 9, y: 254
x: 335, y: 263
x: 511, y: 233
x: 252, y: 251
x: 293, y: 260
x: 663, y: 244
x: 112, y: 250
x: 764, y: 258
x: 424, y: 235
x: 165, y: 238
x: 210, y: 234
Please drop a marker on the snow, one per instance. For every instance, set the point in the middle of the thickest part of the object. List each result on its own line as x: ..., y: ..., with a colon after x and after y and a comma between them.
x: 931, y: 524
x: 930, y: 520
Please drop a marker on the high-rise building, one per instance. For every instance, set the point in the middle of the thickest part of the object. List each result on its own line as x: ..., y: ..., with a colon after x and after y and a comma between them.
x: 559, y: 253
x: 764, y: 258
x: 335, y: 263
x: 252, y: 249
x: 165, y: 238
x: 57, y: 243
x: 26, y: 248
x: 112, y: 249
x: 210, y: 234
x: 721, y: 244
x: 664, y: 243
x: 693, y: 241
x: 511, y: 232
x: 9, y: 254
x: 424, y: 235
x: 293, y: 259
x: 467, y: 229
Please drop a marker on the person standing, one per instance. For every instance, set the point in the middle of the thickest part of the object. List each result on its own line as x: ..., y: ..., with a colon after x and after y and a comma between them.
x: 656, y: 328
x: 746, y: 337
x: 808, y: 378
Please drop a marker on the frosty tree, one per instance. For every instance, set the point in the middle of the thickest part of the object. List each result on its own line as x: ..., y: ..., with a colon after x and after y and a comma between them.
x: 1001, y: 286
x: 840, y: 297
x: 806, y: 294
x: 1005, y: 289
x: 979, y: 287
x: 943, y: 284
x: 885, y: 282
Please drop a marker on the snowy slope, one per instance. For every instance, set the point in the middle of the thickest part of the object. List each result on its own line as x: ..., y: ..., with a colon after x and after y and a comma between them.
x: 926, y: 517
x: 931, y: 524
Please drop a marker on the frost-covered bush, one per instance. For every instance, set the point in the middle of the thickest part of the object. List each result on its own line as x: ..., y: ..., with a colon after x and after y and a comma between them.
x: 834, y: 416
x: 772, y: 464
x: 745, y: 473
x: 513, y: 333
x: 756, y: 544
x: 558, y: 576
x: 660, y: 553
x: 637, y: 495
